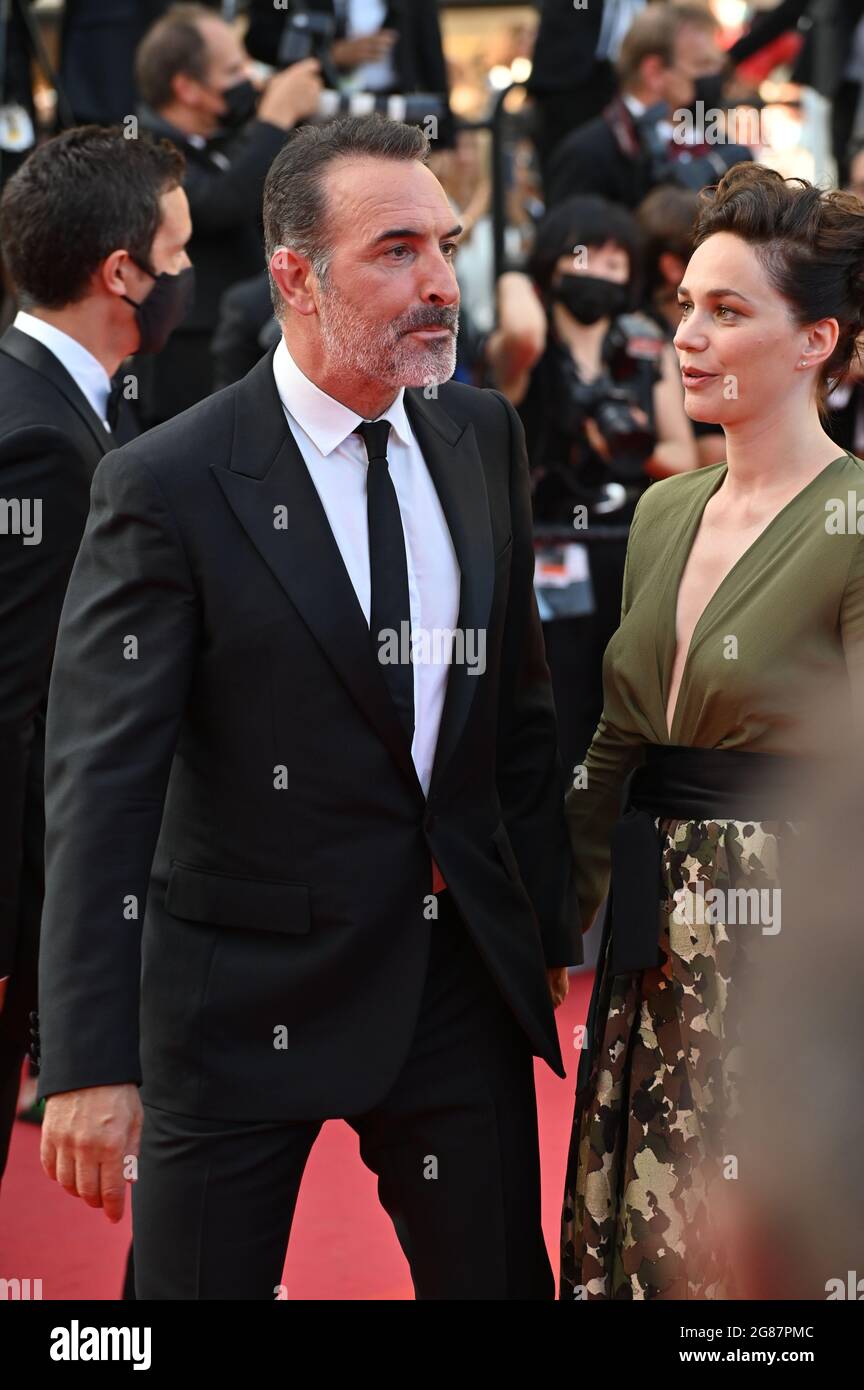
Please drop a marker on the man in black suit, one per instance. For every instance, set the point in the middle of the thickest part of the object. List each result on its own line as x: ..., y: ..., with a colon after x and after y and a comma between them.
x: 304, y: 800
x: 193, y: 79
x: 56, y: 362
x: 631, y: 147
x: 572, y: 73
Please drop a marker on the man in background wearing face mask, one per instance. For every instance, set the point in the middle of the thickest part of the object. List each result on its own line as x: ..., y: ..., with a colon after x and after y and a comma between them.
x: 87, y: 303
x: 193, y: 80
x: 668, y: 61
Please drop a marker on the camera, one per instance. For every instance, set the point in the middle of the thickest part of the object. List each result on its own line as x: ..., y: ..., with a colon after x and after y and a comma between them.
x: 630, y: 443
x: 310, y: 34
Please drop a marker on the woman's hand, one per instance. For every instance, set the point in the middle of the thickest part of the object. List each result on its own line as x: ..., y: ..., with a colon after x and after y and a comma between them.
x: 559, y: 983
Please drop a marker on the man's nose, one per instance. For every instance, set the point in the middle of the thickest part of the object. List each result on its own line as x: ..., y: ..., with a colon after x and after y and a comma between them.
x: 440, y: 285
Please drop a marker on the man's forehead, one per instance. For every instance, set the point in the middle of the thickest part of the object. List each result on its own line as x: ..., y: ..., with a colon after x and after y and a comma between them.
x: 383, y: 194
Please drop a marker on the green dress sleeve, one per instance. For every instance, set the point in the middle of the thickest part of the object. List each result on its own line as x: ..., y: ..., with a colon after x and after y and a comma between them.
x: 593, y: 801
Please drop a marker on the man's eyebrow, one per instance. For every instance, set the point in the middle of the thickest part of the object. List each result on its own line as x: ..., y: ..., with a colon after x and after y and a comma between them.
x: 415, y: 232
x: 722, y: 293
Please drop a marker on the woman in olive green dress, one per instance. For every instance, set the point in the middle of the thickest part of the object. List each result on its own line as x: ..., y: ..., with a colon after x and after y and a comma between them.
x: 743, y: 607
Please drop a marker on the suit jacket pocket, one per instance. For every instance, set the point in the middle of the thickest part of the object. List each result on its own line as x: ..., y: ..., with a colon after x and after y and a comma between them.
x: 226, y: 900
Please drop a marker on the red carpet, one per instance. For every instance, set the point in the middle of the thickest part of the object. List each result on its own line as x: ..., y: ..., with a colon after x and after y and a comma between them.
x: 342, y: 1243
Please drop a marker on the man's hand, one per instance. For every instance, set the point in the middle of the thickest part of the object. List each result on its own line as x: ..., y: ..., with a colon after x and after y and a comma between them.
x: 559, y: 983
x: 350, y: 53
x: 87, y: 1136
x: 292, y: 95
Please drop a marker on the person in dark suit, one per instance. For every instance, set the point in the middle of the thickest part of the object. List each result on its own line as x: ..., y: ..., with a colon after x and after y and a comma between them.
x: 631, y: 147
x: 193, y: 79
x: 76, y: 325
x: 98, y: 39
x: 572, y: 67
x: 381, y: 46
x: 304, y: 800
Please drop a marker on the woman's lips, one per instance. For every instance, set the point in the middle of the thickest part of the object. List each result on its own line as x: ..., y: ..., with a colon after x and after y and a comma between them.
x: 693, y: 379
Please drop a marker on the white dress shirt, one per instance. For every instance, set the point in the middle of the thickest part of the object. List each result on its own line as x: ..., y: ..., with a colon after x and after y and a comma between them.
x: 337, y: 463
x: 87, y: 372
x: 638, y: 108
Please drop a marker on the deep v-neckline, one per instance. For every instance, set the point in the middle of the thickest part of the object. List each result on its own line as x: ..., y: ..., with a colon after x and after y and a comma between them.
x: 695, y: 521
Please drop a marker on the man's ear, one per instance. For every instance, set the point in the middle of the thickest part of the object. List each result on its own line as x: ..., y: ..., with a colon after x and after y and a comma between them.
x: 186, y: 89
x: 293, y: 273
x: 114, y: 273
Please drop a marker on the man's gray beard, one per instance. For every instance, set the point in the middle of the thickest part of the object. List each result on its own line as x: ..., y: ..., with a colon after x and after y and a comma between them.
x: 379, y: 352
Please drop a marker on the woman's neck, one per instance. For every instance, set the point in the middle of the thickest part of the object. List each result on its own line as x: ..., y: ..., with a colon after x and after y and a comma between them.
x: 777, y: 452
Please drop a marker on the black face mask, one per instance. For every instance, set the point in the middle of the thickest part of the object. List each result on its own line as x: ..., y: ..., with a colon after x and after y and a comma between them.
x: 241, y: 101
x: 589, y: 297
x: 709, y: 90
x: 164, y: 308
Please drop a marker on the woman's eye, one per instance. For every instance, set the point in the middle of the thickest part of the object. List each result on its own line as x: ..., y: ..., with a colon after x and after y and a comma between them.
x: 684, y: 305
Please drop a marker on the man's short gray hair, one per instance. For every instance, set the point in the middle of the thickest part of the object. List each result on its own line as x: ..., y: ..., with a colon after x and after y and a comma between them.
x: 295, y: 211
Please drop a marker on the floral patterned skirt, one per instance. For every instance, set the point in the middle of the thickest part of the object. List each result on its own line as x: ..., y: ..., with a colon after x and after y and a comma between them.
x: 650, y: 1128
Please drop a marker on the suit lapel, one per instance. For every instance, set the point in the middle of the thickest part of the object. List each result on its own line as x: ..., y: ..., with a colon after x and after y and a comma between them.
x: 36, y: 355
x: 454, y: 463
x: 267, y: 473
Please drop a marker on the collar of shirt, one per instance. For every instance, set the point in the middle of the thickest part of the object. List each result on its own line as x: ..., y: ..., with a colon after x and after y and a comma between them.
x: 86, y: 370
x: 327, y: 421
x: 638, y: 108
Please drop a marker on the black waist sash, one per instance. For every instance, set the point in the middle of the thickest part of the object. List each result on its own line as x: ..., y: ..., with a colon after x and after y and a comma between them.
x: 681, y: 783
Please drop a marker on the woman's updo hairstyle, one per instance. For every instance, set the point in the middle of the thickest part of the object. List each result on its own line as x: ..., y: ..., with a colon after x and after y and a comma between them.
x: 811, y: 243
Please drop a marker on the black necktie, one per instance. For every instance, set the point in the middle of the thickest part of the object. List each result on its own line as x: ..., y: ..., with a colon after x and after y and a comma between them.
x: 388, y: 570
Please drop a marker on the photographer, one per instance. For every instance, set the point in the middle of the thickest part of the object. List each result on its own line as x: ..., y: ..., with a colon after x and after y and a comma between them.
x: 193, y: 80
x: 669, y: 62
x: 599, y: 394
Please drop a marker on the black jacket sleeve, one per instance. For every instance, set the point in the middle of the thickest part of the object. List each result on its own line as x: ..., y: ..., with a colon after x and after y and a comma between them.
x: 38, y: 469
x: 125, y: 653
x: 767, y: 27
x: 229, y: 197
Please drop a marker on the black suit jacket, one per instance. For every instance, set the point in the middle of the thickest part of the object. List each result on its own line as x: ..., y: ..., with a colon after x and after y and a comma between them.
x: 223, y: 748
x: 565, y: 45
x: 590, y: 160
x: 50, y: 443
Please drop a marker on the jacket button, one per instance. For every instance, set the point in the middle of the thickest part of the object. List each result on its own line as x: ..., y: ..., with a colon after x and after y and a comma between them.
x: 430, y: 821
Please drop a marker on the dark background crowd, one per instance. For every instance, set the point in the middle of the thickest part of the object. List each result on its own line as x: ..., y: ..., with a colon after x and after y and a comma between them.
x: 576, y: 187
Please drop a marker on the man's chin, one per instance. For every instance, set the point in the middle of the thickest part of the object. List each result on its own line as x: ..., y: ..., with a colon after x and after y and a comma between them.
x: 428, y: 368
